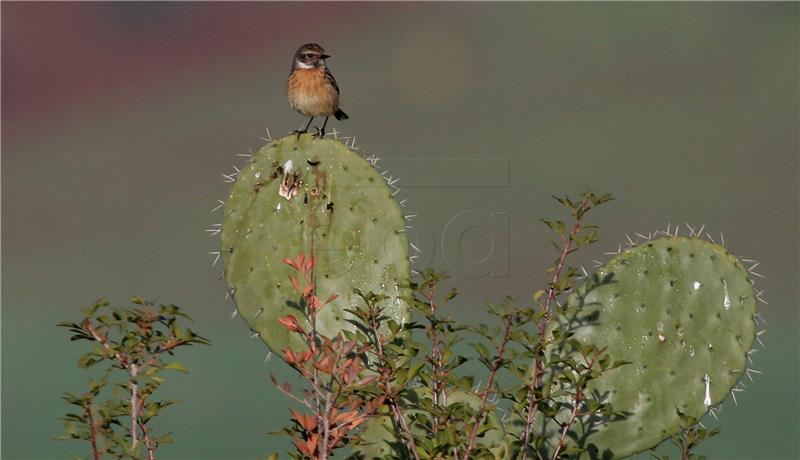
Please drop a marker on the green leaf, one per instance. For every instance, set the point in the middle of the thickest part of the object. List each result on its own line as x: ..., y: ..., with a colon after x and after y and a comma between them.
x: 177, y: 366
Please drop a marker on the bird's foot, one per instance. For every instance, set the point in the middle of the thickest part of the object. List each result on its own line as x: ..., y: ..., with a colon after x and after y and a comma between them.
x: 319, y: 134
x: 298, y: 132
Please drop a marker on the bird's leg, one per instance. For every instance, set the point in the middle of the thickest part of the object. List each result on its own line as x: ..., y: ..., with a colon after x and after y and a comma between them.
x: 305, y: 130
x: 321, y: 132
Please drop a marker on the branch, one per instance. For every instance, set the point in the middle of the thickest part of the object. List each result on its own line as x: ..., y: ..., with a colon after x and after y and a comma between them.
x: 574, y: 413
x: 387, y: 377
x: 436, y: 361
x: 133, y: 372
x: 123, y: 360
x: 545, y: 307
x: 92, y: 430
x: 151, y: 449
x: 498, y: 361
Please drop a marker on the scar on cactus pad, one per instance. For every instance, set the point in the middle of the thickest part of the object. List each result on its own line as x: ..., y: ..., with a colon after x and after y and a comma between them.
x: 301, y: 194
x: 681, y: 311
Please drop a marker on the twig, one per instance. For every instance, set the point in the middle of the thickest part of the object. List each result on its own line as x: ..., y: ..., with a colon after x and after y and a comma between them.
x: 123, y: 360
x: 498, y: 361
x: 151, y: 449
x: 92, y: 430
x: 132, y: 369
x: 397, y: 412
x: 542, y: 326
x: 574, y: 413
x: 133, y: 372
x: 436, y: 361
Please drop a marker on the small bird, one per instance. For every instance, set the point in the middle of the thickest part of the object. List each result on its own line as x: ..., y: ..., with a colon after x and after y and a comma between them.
x: 311, y: 88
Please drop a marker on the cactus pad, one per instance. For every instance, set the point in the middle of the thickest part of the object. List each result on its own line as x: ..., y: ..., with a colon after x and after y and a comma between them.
x: 681, y: 312
x: 301, y: 194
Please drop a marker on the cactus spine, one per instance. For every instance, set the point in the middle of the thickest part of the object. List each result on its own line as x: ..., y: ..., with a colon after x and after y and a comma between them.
x: 301, y: 194
x: 682, y: 312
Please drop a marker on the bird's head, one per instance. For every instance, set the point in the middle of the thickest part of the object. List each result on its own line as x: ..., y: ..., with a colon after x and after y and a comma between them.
x: 309, y: 56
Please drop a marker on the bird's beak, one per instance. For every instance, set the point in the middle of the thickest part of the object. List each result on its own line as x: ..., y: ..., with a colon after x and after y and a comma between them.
x: 325, y: 56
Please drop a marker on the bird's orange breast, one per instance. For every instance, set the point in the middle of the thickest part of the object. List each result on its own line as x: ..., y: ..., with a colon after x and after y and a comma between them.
x: 311, y: 94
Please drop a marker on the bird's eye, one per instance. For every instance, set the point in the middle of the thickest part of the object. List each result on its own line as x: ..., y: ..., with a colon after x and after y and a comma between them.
x: 308, y: 55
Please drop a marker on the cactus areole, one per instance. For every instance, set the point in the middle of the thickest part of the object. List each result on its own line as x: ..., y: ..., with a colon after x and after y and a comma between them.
x: 300, y: 194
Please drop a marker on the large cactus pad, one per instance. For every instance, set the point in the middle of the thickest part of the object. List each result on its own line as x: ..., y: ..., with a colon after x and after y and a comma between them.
x: 301, y: 194
x: 681, y: 311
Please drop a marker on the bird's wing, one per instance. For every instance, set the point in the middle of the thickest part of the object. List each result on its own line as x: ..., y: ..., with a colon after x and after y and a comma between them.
x: 331, y: 80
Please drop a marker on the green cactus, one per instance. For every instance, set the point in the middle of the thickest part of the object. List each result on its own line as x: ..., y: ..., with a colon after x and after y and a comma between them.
x: 302, y: 194
x: 682, y: 312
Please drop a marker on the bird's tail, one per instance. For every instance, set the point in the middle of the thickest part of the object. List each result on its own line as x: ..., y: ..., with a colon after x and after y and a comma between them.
x: 340, y: 115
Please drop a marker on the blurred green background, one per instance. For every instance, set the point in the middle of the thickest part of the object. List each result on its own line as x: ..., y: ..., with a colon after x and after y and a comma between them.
x: 119, y: 118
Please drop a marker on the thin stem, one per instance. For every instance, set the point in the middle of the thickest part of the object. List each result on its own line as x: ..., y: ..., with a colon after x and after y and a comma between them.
x: 574, y: 413
x: 331, y: 397
x: 312, y: 342
x: 326, y: 426
x: 92, y: 430
x: 685, y: 453
x: 151, y: 449
x: 387, y: 378
x: 542, y: 325
x: 132, y: 372
x: 123, y: 360
x: 509, y: 323
x: 439, y: 394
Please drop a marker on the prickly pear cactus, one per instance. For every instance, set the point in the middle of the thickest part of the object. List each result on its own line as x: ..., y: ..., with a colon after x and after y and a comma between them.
x: 302, y: 195
x: 681, y: 311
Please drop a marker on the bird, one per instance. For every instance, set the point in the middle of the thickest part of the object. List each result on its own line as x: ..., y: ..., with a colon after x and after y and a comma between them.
x: 311, y: 88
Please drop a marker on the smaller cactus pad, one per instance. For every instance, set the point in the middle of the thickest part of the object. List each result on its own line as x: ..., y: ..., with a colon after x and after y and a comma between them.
x: 301, y: 194
x: 681, y: 311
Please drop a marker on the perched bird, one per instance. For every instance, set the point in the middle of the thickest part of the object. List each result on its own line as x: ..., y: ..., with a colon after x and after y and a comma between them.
x: 311, y: 88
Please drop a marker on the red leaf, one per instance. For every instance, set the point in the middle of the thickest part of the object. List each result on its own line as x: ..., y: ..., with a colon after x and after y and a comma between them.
x: 367, y: 380
x: 290, y: 323
x: 373, y: 405
x: 296, y: 358
x: 338, y: 417
x: 309, y: 264
x: 313, y: 302
x: 307, y: 421
x: 295, y: 284
x: 302, y: 447
x: 331, y: 299
x: 290, y: 263
x: 325, y: 365
x: 311, y: 444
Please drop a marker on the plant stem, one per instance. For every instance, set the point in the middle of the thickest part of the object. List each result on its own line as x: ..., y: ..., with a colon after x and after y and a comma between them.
x: 326, y: 427
x: 387, y: 376
x: 133, y: 372
x: 509, y: 323
x: 92, y: 430
x: 542, y: 326
x: 151, y: 449
x: 565, y: 429
x: 579, y: 395
x: 439, y: 394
